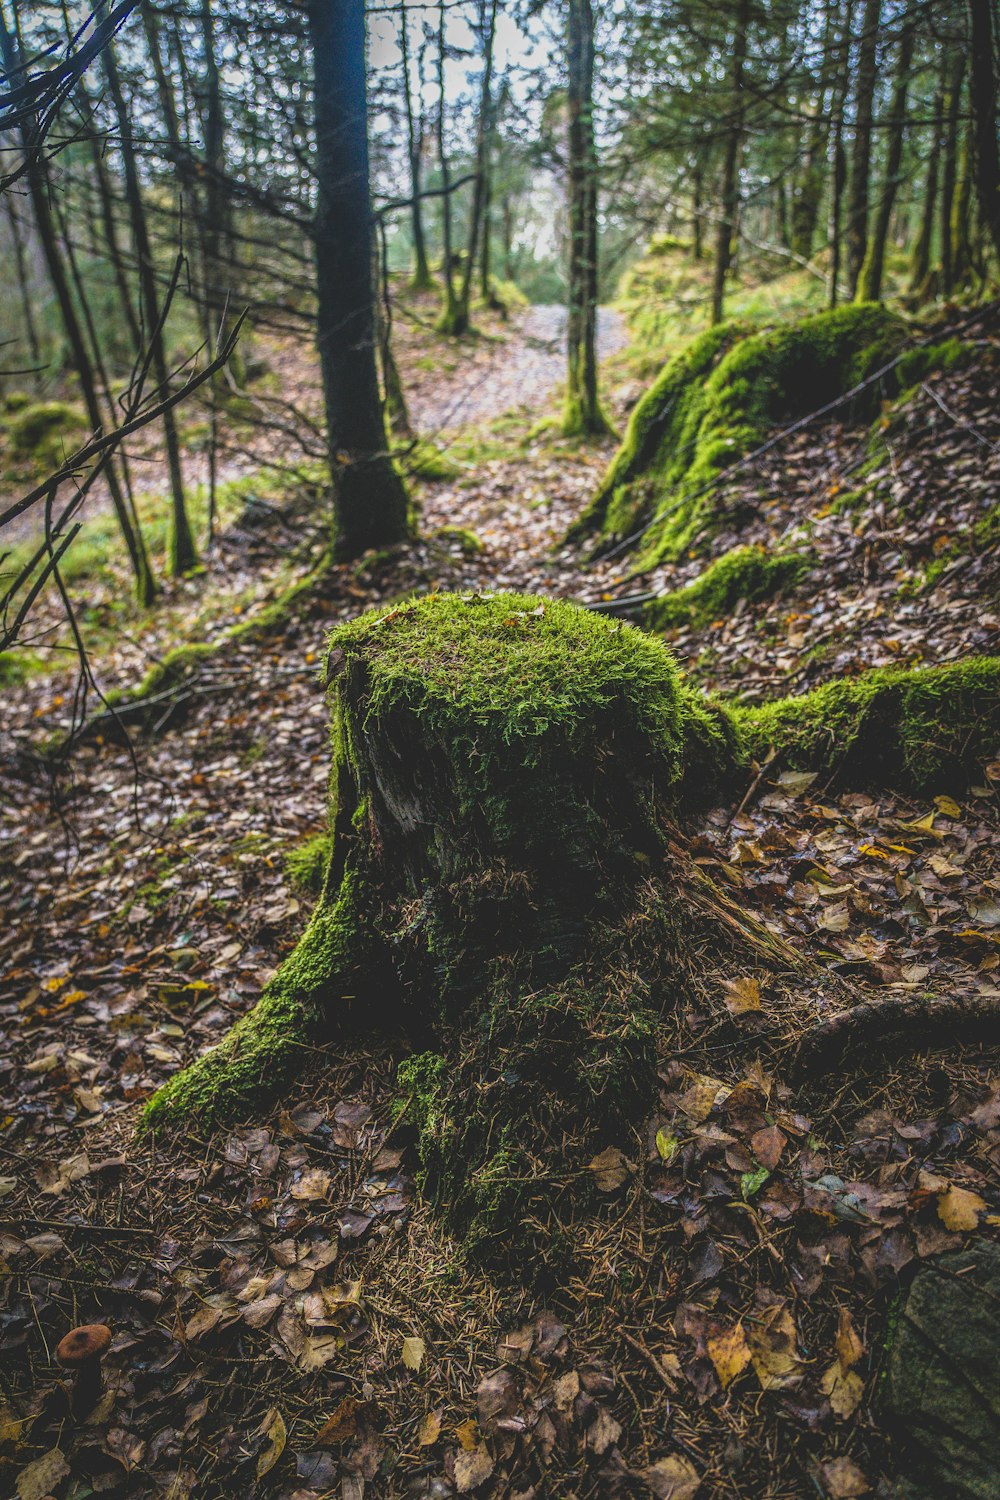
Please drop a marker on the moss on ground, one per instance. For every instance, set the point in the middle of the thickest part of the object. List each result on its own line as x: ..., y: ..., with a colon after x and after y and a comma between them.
x: 459, y: 536
x: 18, y: 665
x: 719, y: 399
x: 750, y: 573
x: 922, y: 729
x: 45, y: 432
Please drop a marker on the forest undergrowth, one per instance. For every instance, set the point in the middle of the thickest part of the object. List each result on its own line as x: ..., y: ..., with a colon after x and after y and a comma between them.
x: 289, y: 1317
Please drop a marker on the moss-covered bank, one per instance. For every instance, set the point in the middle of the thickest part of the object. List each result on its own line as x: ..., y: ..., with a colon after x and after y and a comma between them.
x: 718, y: 400
x: 746, y: 573
x: 922, y: 729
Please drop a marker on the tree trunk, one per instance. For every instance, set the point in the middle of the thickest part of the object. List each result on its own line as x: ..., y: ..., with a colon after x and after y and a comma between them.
x: 183, y: 554
x: 582, y: 414
x: 487, y: 26
x: 920, y: 263
x: 731, y: 163
x: 808, y: 190
x: 24, y: 290
x: 949, y: 170
x: 370, y: 501
x: 449, y: 313
x: 838, y: 162
x: 870, y: 280
x: 983, y: 89
x: 857, y: 195
x: 422, y: 279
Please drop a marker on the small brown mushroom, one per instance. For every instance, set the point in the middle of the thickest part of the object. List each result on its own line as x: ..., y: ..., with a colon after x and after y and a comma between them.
x: 80, y: 1351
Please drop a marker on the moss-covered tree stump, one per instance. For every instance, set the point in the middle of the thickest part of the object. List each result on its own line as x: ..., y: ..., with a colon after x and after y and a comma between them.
x: 506, y: 879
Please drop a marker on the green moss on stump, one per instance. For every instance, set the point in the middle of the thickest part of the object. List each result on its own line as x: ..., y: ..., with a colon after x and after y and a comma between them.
x: 922, y: 729
x: 505, y: 883
x: 719, y: 399
x: 306, y: 865
x: 750, y: 573
x: 502, y: 875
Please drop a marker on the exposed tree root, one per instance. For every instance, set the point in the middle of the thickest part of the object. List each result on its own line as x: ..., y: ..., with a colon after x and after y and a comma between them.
x: 895, y: 1023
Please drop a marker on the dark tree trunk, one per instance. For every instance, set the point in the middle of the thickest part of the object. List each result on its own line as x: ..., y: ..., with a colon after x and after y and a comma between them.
x: 370, y: 501
x: 183, y: 554
x: 870, y: 280
x: 857, y: 196
x: 984, y: 110
x: 731, y: 163
x: 920, y: 263
x: 838, y: 162
x: 582, y: 412
x: 449, y: 313
x: 487, y: 24
x: 949, y: 170
x: 24, y: 290
x: 808, y: 190
x: 422, y: 279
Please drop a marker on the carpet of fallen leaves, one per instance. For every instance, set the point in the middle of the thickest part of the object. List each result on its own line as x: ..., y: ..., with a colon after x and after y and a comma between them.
x: 288, y: 1319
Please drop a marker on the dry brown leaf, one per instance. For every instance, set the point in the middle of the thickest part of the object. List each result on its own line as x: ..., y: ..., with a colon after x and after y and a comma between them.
x: 273, y: 1429
x: 772, y: 1338
x: 673, y: 1478
x: 843, y: 1388
x: 767, y: 1145
x: 472, y: 1468
x: 843, y: 1480
x: 848, y: 1342
x: 610, y: 1169
x: 313, y: 1184
x: 340, y: 1425
x: 430, y: 1428
x: 741, y: 995
x: 41, y: 1477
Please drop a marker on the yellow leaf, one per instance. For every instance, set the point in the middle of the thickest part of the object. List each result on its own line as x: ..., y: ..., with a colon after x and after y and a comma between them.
x: 413, y: 1353
x: 848, y: 1344
x: 741, y: 995
x: 844, y: 1389
x: 947, y: 807
x: 467, y: 1435
x: 273, y: 1429
x: 772, y: 1348
x: 667, y: 1146
x: 430, y: 1428
x: 959, y: 1209
x: 729, y: 1353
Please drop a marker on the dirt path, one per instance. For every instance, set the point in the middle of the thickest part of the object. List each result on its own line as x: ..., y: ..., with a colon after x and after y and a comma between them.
x: 496, y: 377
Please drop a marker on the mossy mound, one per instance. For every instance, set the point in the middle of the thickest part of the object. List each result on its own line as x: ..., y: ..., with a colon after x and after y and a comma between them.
x: 923, y: 729
x: 750, y: 573
x: 504, y: 881
x: 505, y: 889
x: 46, y: 432
x: 719, y: 399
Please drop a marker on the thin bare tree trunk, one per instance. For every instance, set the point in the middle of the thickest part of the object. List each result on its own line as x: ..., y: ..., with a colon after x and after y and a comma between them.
x: 731, y: 163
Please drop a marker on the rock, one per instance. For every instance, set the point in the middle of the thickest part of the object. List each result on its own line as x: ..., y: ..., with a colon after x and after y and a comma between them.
x: 942, y: 1394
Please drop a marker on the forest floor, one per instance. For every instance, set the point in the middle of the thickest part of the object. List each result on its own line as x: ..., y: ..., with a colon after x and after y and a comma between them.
x: 289, y: 1318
